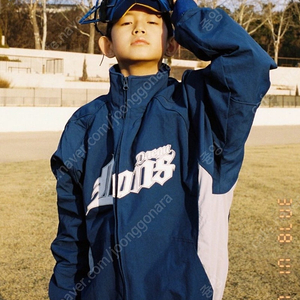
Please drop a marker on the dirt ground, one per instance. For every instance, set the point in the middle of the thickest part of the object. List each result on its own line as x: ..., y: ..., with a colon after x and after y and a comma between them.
x: 257, y: 246
x: 15, y: 147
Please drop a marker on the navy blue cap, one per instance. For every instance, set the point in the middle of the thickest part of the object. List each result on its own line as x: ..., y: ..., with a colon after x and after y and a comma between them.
x: 113, y: 10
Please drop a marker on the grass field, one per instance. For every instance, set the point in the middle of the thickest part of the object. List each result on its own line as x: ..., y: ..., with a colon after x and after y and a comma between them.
x: 28, y: 223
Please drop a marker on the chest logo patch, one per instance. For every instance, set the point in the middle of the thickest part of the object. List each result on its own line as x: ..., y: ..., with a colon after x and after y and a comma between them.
x: 154, y: 166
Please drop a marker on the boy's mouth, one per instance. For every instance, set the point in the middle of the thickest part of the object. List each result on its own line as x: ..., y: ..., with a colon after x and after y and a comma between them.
x: 139, y: 41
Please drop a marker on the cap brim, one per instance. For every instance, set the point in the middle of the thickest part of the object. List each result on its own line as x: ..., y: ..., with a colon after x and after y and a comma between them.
x: 123, y: 8
x: 141, y: 4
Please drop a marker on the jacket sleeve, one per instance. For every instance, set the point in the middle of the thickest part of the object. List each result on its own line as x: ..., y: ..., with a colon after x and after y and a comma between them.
x: 223, y: 97
x: 70, y: 247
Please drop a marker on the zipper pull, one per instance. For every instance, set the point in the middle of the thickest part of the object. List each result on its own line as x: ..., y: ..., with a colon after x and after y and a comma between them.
x: 125, y: 84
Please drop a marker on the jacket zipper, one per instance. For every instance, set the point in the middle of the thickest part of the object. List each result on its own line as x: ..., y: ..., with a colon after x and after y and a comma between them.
x: 125, y: 88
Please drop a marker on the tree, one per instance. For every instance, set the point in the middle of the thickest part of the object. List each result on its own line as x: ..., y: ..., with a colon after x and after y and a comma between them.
x: 84, y: 71
x: 296, y: 7
x: 91, y: 35
x: 44, y: 25
x: 247, y: 16
x: 0, y: 25
x: 1, y: 37
x: 34, y: 12
x: 15, y: 24
x: 3, y: 17
x: 290, y: 46
x: 32, y: 7
x: 211, y: 3
x: 92, y: 32
x: 244, y: 12
x: 60, y: 24
x: 278, y: 23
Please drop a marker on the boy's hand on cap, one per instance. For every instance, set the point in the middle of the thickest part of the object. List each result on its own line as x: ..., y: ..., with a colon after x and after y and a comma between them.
x: 174, y: 1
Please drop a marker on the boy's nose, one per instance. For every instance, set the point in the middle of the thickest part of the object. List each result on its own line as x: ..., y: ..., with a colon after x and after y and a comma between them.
x: 139, y: 29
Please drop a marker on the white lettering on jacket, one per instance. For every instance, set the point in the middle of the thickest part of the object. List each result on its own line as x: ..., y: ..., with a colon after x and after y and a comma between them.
x: 101, y: 188
x: 154, y: 166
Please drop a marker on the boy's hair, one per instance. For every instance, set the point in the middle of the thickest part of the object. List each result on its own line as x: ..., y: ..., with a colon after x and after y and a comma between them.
x: 165, y: 16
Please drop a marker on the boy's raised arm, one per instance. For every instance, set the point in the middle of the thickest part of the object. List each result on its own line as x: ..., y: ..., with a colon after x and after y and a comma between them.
x: 230, y: 89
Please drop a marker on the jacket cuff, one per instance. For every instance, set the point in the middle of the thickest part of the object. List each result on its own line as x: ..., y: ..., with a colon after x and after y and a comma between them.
x: 181, y: 6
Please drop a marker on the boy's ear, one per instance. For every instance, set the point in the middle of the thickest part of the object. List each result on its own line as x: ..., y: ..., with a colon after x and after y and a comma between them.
x: 105, y: 46
x: 172, y: 47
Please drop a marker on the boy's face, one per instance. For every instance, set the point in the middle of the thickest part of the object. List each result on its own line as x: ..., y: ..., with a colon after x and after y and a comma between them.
x: 139, y: 41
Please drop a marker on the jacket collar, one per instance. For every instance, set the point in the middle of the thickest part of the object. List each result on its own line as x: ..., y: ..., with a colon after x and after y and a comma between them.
x: 136, y: 91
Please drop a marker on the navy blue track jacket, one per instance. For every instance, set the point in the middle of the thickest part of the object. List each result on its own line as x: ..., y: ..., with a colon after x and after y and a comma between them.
x: 145, y: 174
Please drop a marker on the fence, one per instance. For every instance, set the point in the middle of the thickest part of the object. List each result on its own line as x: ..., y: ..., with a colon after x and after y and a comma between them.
x: 289, y: 62
x: 28, y: 64
x: 77, y: 97
x: 280, y: 101
x: 48, y: 97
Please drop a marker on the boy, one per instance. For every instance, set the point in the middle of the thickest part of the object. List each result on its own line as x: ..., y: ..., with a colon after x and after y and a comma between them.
x: 145, y: 174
